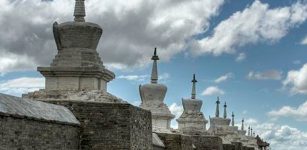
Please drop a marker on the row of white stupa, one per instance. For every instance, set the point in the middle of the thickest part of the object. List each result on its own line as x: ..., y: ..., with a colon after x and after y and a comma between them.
x: 192, y: 120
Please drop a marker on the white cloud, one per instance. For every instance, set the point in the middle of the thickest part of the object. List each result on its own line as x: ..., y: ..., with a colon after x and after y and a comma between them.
x: 241, y: 57
x: 266, y: 75
x: 133, y: 77
x: 136, y: 103
x: 177, y: 111
x: 213, y: 90
x: 256, y: 23
x: 13, y: 62
x: 304, y: 41
x: 21, y: 85
x: 164, y: 76
x: 299, y: 113
x: 142, y: 78
x: 251, y: 121
x: 223, y: 78
x: 297, y: 80
x: 280, y: 137
x: 131, y: 28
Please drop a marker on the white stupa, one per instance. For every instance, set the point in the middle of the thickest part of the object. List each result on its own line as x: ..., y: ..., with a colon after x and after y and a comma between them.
x: 221, y: 126
x: 242, y: 134
x: 192, y: 120
x: 152, y: 96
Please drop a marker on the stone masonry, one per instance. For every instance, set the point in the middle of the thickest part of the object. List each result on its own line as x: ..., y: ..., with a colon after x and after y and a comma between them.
x: 33, y: 125
x: 111, y: 125
x: 176, y: 141
x: 22, y: 133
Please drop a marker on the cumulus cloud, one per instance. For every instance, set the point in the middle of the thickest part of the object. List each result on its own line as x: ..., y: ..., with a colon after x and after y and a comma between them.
x: 299, y: 113
x: 223, y: 78
x: 266, y: 75
x: 251, y: 121
x: 304, y: 41
x: 177, y: 111
x: 131, y: 29
x: 256, y: 23
x: 15, y: 62
x: 241, y: 57
x: 297, y: 80
x: 213, y: 90
x: 281, y: 137
x: 142, y: 78
x: 133, y: 77
x: 21, y: 85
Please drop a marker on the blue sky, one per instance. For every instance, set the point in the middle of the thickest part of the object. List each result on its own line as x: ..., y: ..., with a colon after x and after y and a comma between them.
x: 259, y: 64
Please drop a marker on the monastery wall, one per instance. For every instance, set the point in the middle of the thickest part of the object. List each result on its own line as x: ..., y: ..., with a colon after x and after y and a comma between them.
x: 176, y: 141
x: 229, y: 147
x: 24, y: 133
x: 207, y: 142
x: 111, y: 125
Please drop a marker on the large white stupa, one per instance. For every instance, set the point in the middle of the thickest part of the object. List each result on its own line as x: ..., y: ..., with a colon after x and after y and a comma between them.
x: 152, y: 96
x: 192, y: 120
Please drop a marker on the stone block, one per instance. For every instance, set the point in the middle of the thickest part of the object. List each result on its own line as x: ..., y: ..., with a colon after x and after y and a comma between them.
x: 113, y: 126
x: 89, y: 83
x: 68, y: 83
x: 228, y: 147
x: 51, y: 83
x: 238, y: 145
x: 176, y: 141
x: 160, y: 123
x: 207, y: 142
x: 24, y: 133
x: 103, y: 85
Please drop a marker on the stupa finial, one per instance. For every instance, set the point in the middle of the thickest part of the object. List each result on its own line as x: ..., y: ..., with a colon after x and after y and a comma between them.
x: 79, y: 12
x: 242, y: 126
x: 233, y: 119
x: 251, y: 134
x: 154, y: 72
x: 225, y: 110
x: 194, y: 87
x: 155, y: 56
x: 217, y: 111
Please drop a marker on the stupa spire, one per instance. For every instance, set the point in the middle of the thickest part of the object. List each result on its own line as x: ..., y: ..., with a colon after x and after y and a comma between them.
x: 251, y: 132
x: 192, y: 120
x: 154, y: 72
x: 233, y: 119
x: 217, y: 111
x: 242, y: 126
x: 152, y: 96
x: 79, y: 12
x: 194, y: 87
x: 225, y: 110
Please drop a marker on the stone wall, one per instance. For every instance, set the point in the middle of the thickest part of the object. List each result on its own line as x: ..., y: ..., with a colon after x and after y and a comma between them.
x: 176, y: 141
x: 158, y: 148
x: 238, y: 145
x: 228, y: 147
x: 112, y: 126
x: 207, y: 142
x: 24, y: 133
